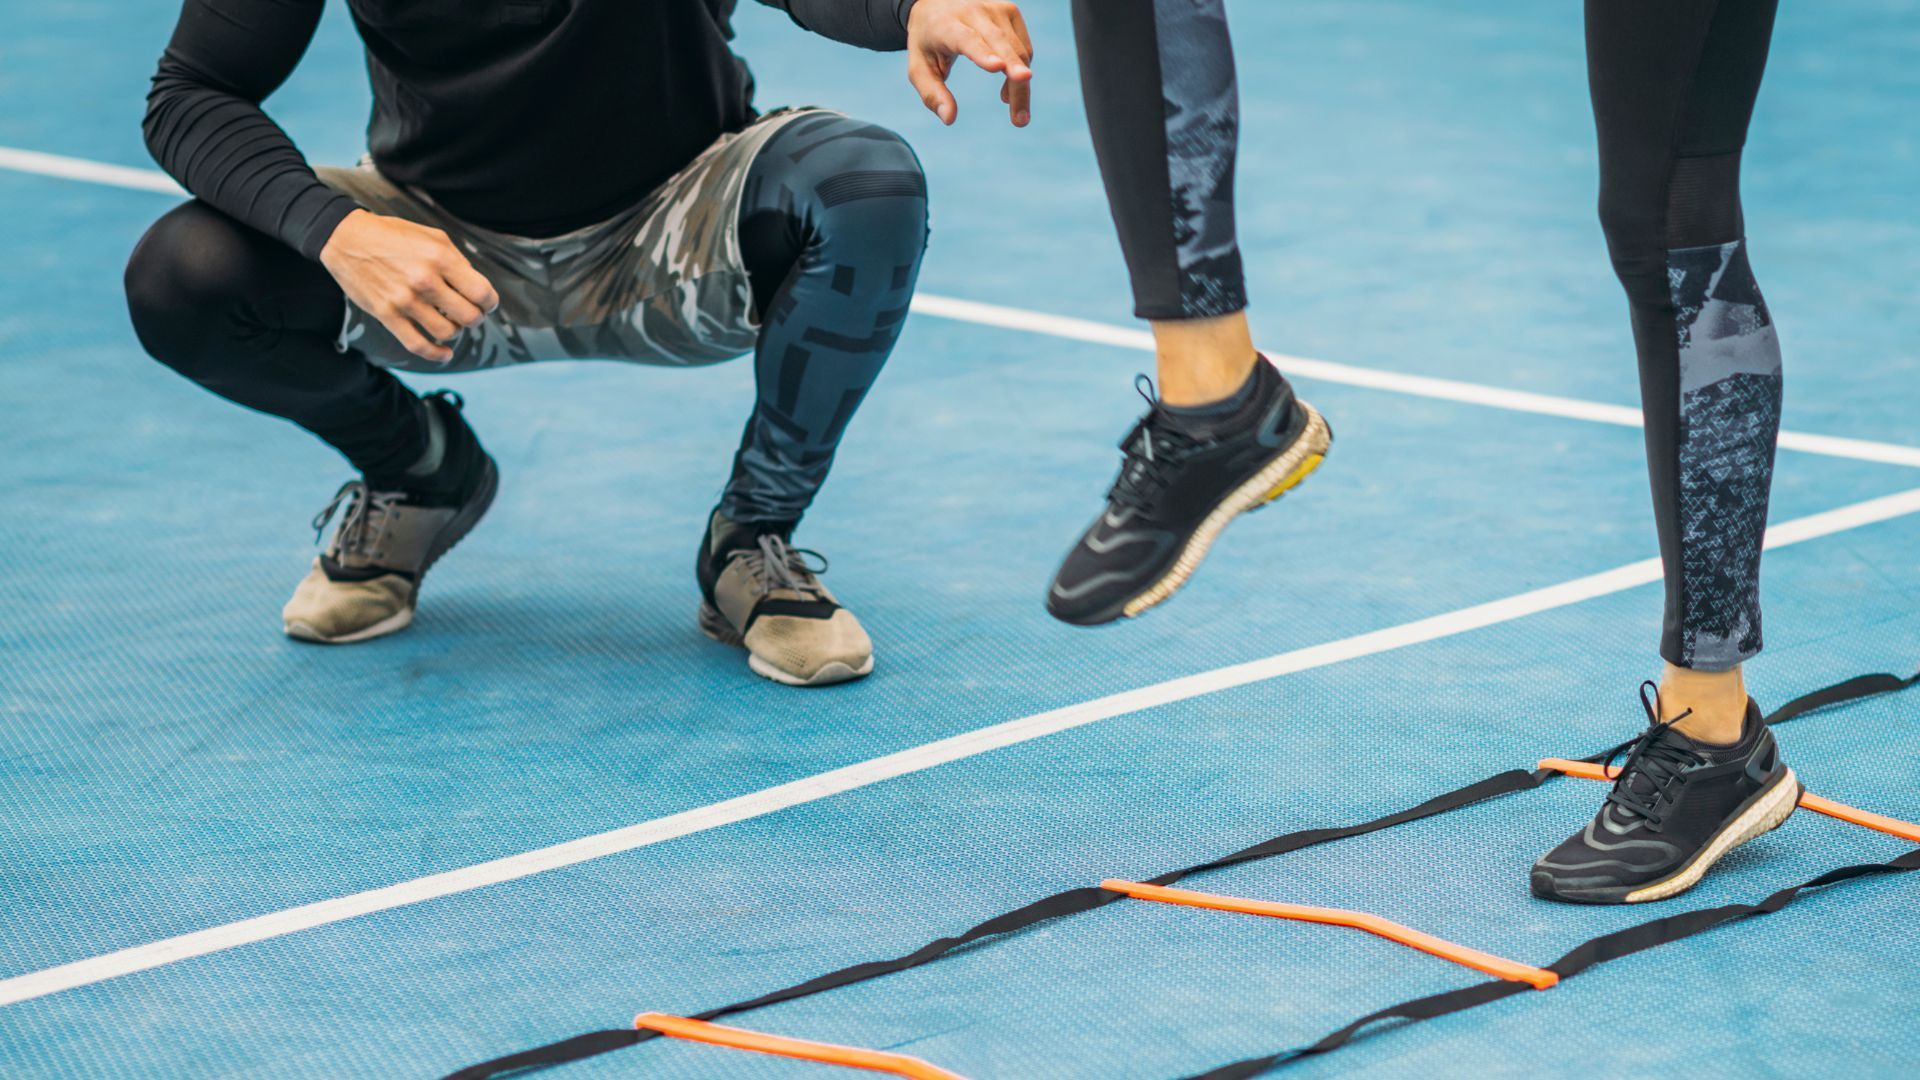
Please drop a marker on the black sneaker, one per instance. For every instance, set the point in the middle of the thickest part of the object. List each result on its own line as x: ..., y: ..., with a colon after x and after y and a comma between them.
x: 1677, y: 808
x: 1177, y: 488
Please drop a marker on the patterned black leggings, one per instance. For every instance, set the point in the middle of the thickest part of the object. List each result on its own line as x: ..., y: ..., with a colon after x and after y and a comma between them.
x: 1164, y: 107
x: 1674, y: 83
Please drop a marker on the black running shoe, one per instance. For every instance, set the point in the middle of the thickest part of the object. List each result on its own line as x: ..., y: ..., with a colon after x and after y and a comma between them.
x: 1176, y: 490
x: 1677, y: 808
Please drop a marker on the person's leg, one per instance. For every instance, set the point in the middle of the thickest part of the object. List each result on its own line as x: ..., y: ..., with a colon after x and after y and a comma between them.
x: 1674, y: 83
x: 833, y: 222
x: 1163, y: 104
x: 252, y: 320
x: 1225, y: 434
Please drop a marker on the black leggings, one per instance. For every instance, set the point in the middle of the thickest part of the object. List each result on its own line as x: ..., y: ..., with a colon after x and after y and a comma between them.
x: 831, y: 264
x: 1164, y: 108
x: 1674, y: 83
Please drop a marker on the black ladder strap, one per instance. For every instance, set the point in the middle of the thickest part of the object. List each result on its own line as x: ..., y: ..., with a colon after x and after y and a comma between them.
x: 1587, y: 954
x: 1087, y: 898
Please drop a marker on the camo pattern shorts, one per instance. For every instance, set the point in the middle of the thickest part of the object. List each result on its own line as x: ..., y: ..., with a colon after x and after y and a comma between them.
x: 661, y: 283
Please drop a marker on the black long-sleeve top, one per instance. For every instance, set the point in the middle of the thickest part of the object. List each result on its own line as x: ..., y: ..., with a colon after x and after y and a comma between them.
x: 531, y: 117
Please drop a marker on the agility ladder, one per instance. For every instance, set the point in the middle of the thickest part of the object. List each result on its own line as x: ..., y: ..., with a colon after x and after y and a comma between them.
x: 1510, y: 977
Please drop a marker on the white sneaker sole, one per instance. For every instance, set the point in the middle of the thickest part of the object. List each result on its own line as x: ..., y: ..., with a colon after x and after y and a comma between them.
x: 1768, y: 813
x: 455, y: 531
x: 393, y: 623
x: 832, y: 672
x: 1281, y: 475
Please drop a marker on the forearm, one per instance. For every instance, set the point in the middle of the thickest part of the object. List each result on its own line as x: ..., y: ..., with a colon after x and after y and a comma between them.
x: 870, y: 24
x: 205, y: 127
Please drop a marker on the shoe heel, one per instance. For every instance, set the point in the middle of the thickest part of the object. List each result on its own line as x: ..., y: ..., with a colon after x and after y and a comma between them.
x: 468, y: 517
x: 1292, y: 479
x: 1776, y: 813
x: 715, y: 625
x: 1316, y: 440
x: 1771, y: 812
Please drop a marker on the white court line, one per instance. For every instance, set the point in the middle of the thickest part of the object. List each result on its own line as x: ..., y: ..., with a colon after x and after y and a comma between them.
x: 93, y: 172
x: 1009, y: 318
x: 1468, y: 393
x: 769, y: 800
x: 905, y: 762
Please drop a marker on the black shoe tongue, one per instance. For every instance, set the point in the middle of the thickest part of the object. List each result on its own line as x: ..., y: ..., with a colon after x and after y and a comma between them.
x: 726, y: 536
x: 1238, y: 413
x: 1639, y: 782
x: 1199, y: 429
x: 1620, y: 815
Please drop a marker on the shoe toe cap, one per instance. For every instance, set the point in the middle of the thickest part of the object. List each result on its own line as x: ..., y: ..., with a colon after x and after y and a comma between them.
x: 805, y: 651
x: 1573, y: 874
x: 325, y: 610
x: 1084, y: 609
x: 1110, y: 566
x: 1087, y: 593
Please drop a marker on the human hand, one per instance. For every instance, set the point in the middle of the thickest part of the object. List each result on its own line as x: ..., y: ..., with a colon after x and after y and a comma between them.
x: 991, y: 33
x: 411, y: 278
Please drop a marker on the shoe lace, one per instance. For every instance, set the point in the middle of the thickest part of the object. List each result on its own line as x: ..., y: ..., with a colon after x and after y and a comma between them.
x: 363, y: 522
x: 1154, y: 450
x: 776, y: 565
x: 1656, y: 764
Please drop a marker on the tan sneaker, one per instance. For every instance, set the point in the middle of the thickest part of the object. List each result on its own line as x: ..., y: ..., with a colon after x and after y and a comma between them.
x: 367, y: 583
x: 761, y: 595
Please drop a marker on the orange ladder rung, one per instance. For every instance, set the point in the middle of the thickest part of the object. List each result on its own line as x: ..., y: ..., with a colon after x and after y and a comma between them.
x: 759, y: 1042
x: 1538, y: 978
x: 1905, y: 830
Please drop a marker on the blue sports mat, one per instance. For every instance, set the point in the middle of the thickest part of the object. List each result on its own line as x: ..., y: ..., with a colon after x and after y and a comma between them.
x: 1417, y: 187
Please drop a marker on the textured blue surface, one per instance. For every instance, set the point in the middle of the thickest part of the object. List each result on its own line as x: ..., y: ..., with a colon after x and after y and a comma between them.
x: 1417, y: 196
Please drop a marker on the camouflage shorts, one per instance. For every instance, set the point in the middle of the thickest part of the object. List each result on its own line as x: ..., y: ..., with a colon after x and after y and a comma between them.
x: 660, y: 283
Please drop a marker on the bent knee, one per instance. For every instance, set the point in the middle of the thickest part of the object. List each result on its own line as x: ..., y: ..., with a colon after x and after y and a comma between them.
x: 189, y: 269
x: 861, y: 176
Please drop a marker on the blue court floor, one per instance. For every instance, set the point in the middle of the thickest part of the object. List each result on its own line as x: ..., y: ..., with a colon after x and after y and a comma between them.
x: 1417, y: 190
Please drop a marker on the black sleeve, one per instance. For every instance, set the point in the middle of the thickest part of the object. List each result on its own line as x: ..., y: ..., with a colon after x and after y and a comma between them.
x: 205, y: 128
x: 870, y: 24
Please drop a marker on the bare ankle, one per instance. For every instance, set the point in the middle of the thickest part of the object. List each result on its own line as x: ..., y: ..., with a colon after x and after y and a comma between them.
x: 1707, y: 706
x: 1203, y: 360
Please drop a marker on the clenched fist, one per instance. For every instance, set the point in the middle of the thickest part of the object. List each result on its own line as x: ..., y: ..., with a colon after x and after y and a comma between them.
x: 411, y: 278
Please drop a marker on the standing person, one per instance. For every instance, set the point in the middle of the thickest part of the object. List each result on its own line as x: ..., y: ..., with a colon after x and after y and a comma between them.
x: 1225, y: 433
x: 1674, y: 83
x: 546, y: 179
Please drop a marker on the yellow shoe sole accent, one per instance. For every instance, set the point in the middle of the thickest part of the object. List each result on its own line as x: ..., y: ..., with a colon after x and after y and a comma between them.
x: 1294, y: 478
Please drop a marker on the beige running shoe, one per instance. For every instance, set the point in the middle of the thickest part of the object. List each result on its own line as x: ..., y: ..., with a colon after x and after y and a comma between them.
x: 762, y: 595
x: 367, y: 583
